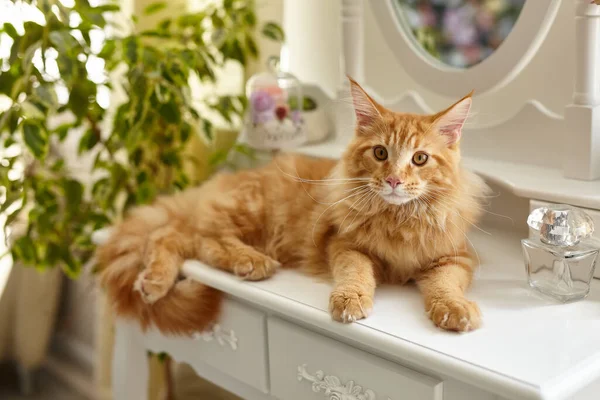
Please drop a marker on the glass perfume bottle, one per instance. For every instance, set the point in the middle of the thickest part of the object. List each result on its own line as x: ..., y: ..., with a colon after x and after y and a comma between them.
x: 561, y: 256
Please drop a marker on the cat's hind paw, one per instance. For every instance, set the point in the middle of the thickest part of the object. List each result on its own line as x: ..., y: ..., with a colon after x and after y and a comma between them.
x: 256, y: 268
x: 151, y: 288
x: 349, y: 306
x: 455, y: 314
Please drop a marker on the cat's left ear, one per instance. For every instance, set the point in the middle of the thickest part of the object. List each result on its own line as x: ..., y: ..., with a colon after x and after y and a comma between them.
x: 450, y: 122
x: 366, y: 109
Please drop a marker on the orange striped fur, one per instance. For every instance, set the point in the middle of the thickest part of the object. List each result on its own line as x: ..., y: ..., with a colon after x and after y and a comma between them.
x: 332, y: 219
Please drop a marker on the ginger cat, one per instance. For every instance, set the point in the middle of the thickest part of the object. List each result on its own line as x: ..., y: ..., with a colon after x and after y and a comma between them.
x: 395, y: 208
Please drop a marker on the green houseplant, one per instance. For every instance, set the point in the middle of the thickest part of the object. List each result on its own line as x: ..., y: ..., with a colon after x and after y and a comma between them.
x: 128, y: 153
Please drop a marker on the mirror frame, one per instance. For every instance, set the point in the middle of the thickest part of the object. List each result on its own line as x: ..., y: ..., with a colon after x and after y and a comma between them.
x: 495, y: 71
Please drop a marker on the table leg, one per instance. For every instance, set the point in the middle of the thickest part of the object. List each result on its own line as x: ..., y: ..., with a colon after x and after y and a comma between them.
x: 130, y: 363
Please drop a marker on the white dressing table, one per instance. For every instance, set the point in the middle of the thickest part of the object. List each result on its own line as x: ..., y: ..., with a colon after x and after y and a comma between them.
x: 275, y: 335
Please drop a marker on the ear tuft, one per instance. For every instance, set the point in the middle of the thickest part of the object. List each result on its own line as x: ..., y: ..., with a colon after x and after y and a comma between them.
x: 366, y: 109
x: 450, y: 122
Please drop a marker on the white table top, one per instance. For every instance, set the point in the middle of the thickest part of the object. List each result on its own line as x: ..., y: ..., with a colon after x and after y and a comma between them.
x: 529, y: 347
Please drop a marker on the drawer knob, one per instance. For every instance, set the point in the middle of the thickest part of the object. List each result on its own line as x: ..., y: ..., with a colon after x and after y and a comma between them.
x: 333, y: 388
x: 222, y: 336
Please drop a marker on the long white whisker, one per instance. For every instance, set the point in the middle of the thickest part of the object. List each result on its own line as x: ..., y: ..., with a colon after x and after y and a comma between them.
x: 333, y: 204
x: 329, y: 181
x: 351, y: 208
x: 373, y: 195
x: 448, y: 207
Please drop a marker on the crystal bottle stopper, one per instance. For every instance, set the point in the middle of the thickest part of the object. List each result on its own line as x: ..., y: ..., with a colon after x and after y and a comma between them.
x: 561, y: 225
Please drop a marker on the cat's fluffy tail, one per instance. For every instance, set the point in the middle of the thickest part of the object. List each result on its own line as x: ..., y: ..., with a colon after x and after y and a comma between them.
x: 187, y: 308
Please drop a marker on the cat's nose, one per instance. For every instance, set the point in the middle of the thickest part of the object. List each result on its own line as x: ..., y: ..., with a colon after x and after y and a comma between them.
x: 393, y: 181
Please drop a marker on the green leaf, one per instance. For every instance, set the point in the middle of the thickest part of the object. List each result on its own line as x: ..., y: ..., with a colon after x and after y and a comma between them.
x: 25, y: 251
x: 44, y: 223
x: 63, y: 130
x: 107, y: 8
x: 66, y: 66
x: 58, y: 165
x: 170, y: 158
x: 218, y: 157
x: 12, y: 217
x: 165, y: 25
x: 145, y: 193
x: 35, y: 33
x: 185, y: 132
x: 101, y: 187
x: 273, y: 31
x: 108, y: 49
x: 251, y: 46
x: 89, y: 139
x: 10, y: 30
x: 155, y: 7
x: 207, y: 128
x: 72, y: 265
x: 9, y: 201
x: 47, y: 95
x: 52, y: 253
x: 73, y: 194
x: 162, y: 357
x: 137, y: 156
x: 217, y: 22
x: 250, y: 18
x: 170, y: 112
x: 30, y: 111
x: 35, y: 139
x: 63, y: 41
x: 130, y: 47
x: 9, y: 142
x: 79, y: 98
x: 99, y: 220
x: 141, y: 177
x: 5, y: 118
x: 7, y: 81
x: 245, y: 150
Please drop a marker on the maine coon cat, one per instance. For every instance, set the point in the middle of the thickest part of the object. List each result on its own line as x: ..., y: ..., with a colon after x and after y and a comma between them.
x: 395, y: 208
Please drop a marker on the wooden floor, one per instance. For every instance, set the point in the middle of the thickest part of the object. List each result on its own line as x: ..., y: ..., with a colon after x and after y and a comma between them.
x: 188, y: 386
x: 46, y: 387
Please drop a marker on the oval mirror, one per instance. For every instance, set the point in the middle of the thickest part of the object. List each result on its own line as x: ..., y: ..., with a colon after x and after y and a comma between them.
x: 460, y: 33
x: 453, y: 46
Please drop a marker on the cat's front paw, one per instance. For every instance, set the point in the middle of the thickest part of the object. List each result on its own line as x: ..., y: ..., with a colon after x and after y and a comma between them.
x: 152, y: 286
x: 256, y: 267
x: 346, y: 305
x: 455, y: 314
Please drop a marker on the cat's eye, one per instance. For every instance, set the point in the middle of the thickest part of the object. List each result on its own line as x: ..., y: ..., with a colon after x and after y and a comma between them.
x: 380, y: 153
x: 420, y: 158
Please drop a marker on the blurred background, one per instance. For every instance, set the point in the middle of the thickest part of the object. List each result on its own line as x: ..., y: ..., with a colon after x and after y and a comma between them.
x: 460, y: 33
x: 105, y: 105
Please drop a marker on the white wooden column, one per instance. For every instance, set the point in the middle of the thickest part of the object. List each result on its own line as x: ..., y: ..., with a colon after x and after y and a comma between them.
x: 130, y: 363
x: 312, y: 46
x: 582, y: 118
x: 353, y: 41
x: 352, y: 63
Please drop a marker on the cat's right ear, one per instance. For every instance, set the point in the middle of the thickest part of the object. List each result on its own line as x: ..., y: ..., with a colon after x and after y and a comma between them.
x: 366, y: 109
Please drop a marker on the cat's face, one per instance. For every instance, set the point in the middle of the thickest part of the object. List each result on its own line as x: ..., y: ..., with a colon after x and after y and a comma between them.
x: 406, y: 157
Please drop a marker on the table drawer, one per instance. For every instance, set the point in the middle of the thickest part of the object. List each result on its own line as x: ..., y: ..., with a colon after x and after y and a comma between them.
x: 236, y: 346
x: 307, y: 366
